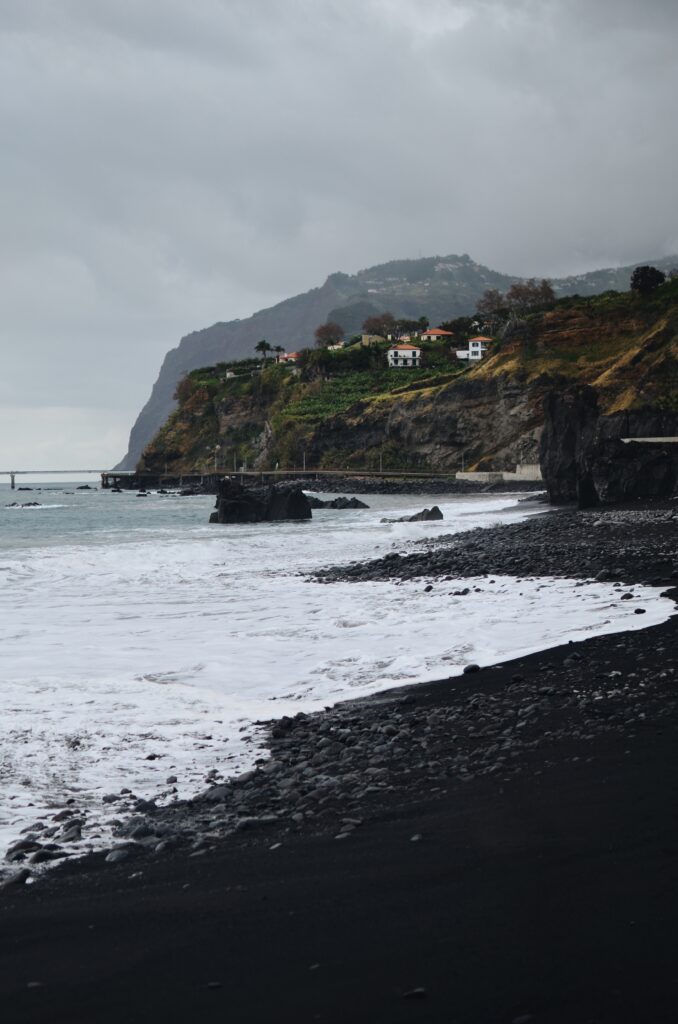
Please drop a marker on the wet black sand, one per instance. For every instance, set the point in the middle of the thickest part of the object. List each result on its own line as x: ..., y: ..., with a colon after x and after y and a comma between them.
x: 509, y: 850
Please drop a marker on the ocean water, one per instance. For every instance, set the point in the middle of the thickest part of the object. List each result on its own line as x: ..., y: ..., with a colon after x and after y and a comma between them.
x: 138, y: 642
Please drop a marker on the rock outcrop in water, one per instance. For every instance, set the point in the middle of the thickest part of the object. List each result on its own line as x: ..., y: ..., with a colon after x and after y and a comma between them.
x: 425, y: 516
x: 238, y: 504
x: 340, y: 502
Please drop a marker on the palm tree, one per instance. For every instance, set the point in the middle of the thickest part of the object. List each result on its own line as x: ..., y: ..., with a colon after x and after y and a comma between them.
x: 263, y: 347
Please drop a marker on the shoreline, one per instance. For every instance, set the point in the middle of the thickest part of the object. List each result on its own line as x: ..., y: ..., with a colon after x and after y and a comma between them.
x: 462, y: 764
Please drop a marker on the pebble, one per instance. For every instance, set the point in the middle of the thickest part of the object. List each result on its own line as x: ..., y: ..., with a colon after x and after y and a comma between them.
x: 19, y: 877
x: 115, y: 856
x: 415, y: 993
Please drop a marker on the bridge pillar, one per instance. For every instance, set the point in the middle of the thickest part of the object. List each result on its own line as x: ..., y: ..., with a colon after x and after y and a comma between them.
x: 12, y: 481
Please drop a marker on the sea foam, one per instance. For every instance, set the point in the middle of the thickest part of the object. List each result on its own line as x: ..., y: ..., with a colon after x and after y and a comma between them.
x: 151, y: 652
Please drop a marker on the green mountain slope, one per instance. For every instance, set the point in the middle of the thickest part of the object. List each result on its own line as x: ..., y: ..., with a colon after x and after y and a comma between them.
x: 439, y: 287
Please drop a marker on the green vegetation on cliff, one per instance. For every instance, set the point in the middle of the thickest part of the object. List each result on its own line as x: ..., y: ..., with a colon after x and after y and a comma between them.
x: 267, y: 414
x: 346, y: 409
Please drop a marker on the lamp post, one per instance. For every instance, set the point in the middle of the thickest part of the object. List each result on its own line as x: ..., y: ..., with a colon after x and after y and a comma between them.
x: 215, y: 451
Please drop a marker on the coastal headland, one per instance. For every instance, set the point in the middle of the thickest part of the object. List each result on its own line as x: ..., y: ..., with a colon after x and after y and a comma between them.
x: 500, y: 846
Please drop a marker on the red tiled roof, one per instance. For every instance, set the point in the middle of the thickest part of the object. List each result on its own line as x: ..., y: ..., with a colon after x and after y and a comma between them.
x: 437, y: 330
x: 481, y: 337
x: 408, y: 348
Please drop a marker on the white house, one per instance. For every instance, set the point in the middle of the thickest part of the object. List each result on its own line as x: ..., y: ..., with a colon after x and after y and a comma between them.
x: 287, y: 357
x: 477, y: 349
x: 404, y: 355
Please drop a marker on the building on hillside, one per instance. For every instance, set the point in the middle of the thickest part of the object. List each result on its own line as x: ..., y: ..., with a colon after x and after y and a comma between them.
x: 404, y: 355
x: 287, y: 357
x: 336, y: 348
x: 436, y: 334
x: 367, y: 340
x: 477, y: 348
x: 406, y: 338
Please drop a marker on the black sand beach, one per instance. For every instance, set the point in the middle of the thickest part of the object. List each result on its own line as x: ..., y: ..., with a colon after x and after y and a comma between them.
x: 501, y: 847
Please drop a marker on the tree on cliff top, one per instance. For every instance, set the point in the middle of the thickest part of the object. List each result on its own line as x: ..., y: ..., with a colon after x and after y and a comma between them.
x: 529, y: 296
x: 645, y: 279
x: 327, y: 334
x: 490, y: 302
x: 521, y: 298
x: 461, y: 327
x: 263, y: 347
x: 382, y: 324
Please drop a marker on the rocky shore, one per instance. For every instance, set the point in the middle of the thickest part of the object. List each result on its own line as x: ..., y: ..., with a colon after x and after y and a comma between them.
x: 499, y: 846
x: 636, y: 542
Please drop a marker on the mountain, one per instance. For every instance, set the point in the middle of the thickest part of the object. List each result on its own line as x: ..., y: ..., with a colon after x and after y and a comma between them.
x: 439, y: 287
x: 348, y: 411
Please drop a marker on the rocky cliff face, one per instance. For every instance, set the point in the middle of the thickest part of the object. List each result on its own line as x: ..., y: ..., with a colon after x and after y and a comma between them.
x: 438, y: 287
x: 584, y: 458
x: 481, y: 423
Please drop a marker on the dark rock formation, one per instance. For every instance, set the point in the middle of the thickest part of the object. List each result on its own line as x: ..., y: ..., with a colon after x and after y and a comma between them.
x: 622, y: 472
x: 340, y: 502
x: 583, y: 458
x: 570, y: 419
x: 238, y: 504
x: 426, y: 515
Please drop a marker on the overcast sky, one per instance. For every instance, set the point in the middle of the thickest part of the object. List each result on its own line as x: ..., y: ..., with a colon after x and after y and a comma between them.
x: 168, y: 164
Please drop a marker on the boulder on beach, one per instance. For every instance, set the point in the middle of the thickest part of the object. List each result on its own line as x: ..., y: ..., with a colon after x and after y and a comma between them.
x: 426, y: 515
x: 239, y: 504
x: 340, y: 502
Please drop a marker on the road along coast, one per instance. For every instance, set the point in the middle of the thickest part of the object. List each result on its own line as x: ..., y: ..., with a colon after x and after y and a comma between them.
x: 500, y: 846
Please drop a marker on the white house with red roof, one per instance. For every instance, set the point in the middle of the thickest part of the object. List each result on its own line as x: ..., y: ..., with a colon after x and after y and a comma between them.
x: 287, y: 357
x: 404, y: 355
x: 477, y: 348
